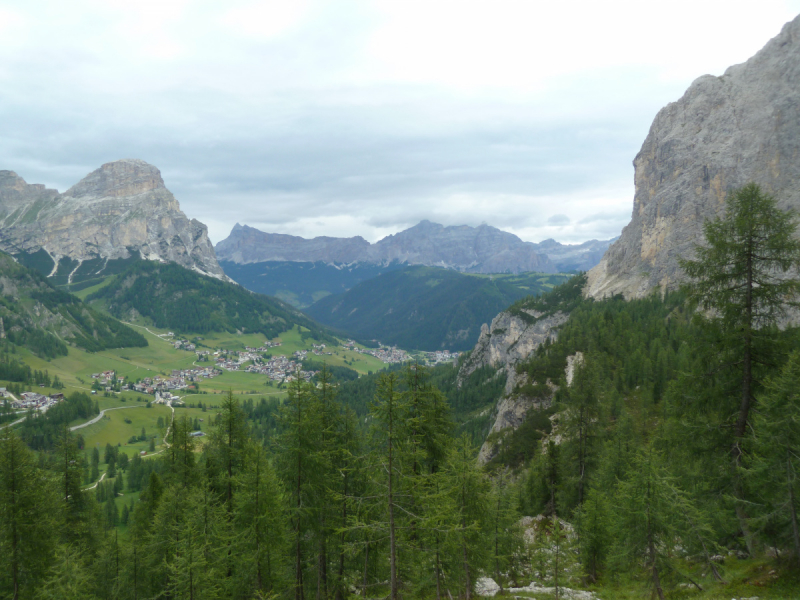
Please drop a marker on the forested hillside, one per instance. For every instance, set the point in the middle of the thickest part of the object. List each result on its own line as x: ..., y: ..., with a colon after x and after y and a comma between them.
x: 173, y: 297
x: 666, y: 468
x: 45, y: 320
x: 426, y: 308
x: 301, y: 284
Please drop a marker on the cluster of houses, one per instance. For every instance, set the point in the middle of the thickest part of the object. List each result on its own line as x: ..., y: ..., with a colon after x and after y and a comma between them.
x: 107, y: 379
x: 179, y: 380
x: 319, y: 350
x: 28, y: 400
x: 442, y: 356
x: 280, y: 368
x: 184, y: 345
x: 387, y: 354
x: 264, y: 348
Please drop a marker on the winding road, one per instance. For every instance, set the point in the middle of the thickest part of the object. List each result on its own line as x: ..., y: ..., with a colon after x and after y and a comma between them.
x: 100, y: 416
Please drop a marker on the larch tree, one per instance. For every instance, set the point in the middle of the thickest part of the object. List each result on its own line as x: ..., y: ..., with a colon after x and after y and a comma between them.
x: 776, y: 464
x: 743, y: 281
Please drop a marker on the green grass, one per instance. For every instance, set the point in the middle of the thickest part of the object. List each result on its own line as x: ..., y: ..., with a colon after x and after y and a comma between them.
x: 89, y: 290
x: 762, y: 578
x: 112, y: 428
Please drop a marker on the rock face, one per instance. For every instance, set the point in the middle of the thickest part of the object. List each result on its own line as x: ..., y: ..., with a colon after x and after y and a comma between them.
x: 723, y: 133
x: 249, y: 245
x: 509, y: 340
x: 482, y: 249
x: 120, y: 208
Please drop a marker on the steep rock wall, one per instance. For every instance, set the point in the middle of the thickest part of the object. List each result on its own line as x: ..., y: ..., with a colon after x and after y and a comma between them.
x: 507, y: 341
x: 723, y: 133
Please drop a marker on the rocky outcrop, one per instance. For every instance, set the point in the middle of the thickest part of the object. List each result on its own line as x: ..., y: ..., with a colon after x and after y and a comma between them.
x: 481, y: 249
x: 723, y: 133
x: 121, y: 208
x: 509, y: 340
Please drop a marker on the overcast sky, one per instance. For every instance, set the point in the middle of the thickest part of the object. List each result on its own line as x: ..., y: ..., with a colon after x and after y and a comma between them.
x: 362, y: 118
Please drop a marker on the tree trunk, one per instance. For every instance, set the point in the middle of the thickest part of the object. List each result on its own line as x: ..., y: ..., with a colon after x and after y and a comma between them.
x: 14, y: 533
x: 340, y: 575
x: 792, y: 508
x: 654, y: 569
x: 392, y: 540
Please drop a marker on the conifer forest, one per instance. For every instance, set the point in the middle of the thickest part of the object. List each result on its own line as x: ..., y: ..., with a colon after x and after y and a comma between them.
x: 671, y: 456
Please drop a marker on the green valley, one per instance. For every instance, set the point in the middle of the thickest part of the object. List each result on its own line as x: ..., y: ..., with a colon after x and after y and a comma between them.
x: 427, y: 308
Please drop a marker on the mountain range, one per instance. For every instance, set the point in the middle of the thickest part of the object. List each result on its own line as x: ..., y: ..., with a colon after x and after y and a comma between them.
x: 482, y: 249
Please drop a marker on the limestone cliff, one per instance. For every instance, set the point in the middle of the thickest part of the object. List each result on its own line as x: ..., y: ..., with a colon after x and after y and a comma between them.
x: 121, y: 208
x: 724, y: 132
x: 509, y: 340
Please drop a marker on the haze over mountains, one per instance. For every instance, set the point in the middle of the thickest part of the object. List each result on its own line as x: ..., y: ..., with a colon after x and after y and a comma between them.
x: 482, y: 249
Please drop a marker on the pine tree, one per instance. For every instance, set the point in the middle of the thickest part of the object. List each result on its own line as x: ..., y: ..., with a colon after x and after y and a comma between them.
x: 579, y: 424
x: 740, y: 278
x: 297, y: 460
x: 260, y: 518
x: 593, y: 527
x: 776, y: 464
x: 27, y: 506
x: 468, y: 491
x: 69, y: 577
x: 387, y: 412
x: 651, y: 517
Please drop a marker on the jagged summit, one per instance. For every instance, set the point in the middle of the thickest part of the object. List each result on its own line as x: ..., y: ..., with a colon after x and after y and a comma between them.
x: 126, y: 177
x: 723, y: 133
x: 482, y: 249
x: 117, y: 210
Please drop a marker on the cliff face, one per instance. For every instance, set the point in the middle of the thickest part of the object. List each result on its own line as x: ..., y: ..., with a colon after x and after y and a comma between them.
x: 723, y: 133
x: 509, y: 340
x: 120, y: 208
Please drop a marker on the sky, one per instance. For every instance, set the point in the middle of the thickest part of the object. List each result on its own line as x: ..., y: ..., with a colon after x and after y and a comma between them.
x: 347, y: 118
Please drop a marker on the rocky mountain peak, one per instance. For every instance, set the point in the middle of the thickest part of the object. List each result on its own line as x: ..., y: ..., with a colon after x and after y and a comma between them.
x: 120, y: 209
x: 127, y: 177
x: 723, y: 133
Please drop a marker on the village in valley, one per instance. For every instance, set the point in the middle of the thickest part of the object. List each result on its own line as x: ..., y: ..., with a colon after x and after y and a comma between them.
x: 278, y: 368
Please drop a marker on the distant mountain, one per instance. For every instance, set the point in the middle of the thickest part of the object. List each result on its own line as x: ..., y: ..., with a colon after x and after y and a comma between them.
x: 574, y: 257
x: 426, y: 308
x: 118, y: 212
x: 45, y: 320
x: 482, y: 249
x: 173, y: 297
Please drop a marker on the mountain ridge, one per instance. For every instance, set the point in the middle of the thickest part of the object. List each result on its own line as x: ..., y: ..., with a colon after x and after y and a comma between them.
x: 482, y: 249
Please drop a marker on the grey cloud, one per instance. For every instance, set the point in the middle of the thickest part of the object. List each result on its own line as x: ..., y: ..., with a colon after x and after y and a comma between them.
x: 558, y: 220
x: 606, y: 217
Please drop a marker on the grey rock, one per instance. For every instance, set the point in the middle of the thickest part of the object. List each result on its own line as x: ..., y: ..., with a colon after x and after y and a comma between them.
x: 120, y: 208
x: 482, y: 249
x: 723, y: 133
x: 247, y: 245
x: 509, y: 340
